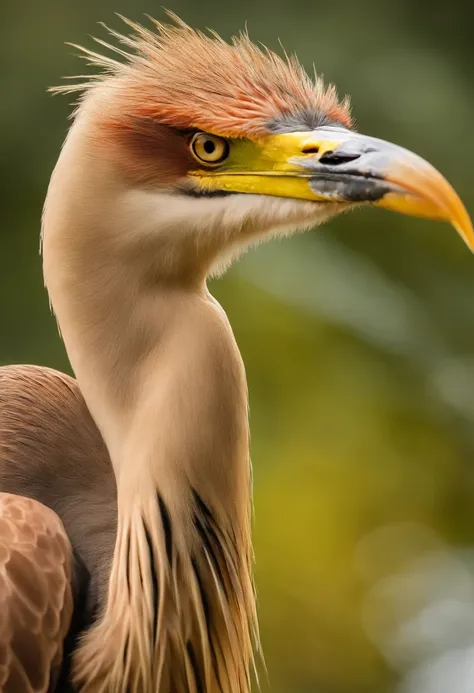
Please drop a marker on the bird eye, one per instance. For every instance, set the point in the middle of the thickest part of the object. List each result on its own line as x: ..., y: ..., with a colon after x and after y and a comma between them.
x: 209, y: 149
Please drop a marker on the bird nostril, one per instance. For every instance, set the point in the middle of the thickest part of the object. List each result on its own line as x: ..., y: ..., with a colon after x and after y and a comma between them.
x: 336, y: 158
x: 310, y: 149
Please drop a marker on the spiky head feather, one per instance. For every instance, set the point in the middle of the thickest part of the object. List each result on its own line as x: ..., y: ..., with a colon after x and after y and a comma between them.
x: 188, y: 79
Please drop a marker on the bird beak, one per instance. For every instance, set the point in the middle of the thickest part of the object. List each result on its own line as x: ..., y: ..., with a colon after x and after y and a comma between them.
x: 335, y: 165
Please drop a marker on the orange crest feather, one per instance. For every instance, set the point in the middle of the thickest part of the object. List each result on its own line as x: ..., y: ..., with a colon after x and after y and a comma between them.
x: 188, y: 79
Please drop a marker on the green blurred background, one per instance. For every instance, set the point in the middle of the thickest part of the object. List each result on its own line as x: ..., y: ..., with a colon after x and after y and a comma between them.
x: 358, y: 342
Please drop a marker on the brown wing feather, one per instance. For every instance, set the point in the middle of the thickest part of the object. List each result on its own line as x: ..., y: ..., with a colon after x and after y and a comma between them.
x: 35, y: 594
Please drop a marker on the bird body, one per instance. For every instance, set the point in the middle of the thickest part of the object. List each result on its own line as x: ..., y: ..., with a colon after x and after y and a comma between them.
x: 179, y: 158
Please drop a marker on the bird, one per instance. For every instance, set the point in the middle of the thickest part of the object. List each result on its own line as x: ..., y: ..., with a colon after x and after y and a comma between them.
x: 126, y: 561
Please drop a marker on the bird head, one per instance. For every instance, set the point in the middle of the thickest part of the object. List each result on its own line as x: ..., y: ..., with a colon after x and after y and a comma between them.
x: 235, y: 143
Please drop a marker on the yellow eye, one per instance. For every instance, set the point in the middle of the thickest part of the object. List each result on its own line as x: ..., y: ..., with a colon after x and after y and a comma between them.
x: 209, y: 149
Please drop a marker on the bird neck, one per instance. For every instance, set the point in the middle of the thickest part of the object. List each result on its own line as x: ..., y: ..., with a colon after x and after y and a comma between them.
x: 160, y: 371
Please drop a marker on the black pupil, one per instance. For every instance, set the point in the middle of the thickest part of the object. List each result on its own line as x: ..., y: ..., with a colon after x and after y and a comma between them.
x: 209, y: 147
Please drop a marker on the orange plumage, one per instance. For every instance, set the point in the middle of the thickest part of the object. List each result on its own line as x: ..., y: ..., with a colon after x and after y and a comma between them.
x: 188, y: 79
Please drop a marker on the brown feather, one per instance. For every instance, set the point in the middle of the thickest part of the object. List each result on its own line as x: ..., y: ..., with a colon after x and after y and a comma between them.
x: 52, y: 453
x: 35, y: 594
x: 51, y: 450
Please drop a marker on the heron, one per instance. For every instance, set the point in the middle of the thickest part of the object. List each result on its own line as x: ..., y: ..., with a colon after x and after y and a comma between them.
x: 125, y: 507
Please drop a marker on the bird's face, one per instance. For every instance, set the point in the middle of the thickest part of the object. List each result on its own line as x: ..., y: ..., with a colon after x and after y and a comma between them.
x: 331, y: 167
x: 237, y: 143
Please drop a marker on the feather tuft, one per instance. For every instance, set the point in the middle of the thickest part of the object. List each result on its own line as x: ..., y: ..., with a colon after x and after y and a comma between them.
x: 187, y: 78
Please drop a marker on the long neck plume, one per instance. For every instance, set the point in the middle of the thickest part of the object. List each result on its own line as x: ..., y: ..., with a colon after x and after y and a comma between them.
x: 162, y: 376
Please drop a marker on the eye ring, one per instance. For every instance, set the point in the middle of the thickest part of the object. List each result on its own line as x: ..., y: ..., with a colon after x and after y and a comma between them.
x: 209, y: 149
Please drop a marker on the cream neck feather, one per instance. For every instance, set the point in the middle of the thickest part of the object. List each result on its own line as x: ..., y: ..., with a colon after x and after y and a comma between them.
x: 158, y: 366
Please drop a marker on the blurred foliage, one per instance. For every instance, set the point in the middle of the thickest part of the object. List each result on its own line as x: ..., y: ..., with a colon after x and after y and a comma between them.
x: 358, y: 342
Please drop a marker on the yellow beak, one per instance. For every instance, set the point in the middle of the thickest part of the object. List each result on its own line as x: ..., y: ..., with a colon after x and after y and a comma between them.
x: 335, y: 165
